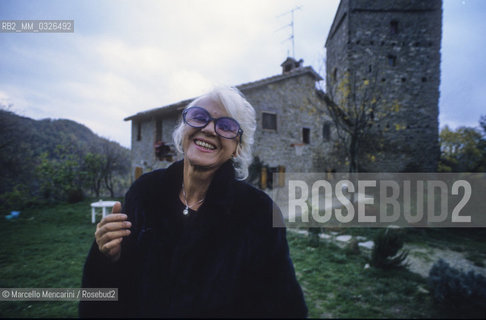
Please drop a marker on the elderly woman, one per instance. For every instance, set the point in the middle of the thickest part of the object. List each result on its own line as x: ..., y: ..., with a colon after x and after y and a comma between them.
x: 193, y: 239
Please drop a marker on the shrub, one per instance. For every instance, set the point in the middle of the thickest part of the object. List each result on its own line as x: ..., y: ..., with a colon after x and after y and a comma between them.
x: 463, y: 294
x: 15, y: 199
x: 388, y: 243
x: 314, y: 236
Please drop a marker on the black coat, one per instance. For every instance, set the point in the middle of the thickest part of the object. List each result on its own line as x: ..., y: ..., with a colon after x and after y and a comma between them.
x: 225, y: 260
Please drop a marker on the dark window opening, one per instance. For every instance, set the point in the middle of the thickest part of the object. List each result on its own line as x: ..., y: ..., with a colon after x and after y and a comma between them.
x: 404, y: 79
x: 424, y: 79
x: 269, y: 121
x: 372, y: 42
x: 369, y: 68
x: 383, y: 79
x: 326, y: 131
x: 392, y: 61
x: 334, y: 74
x: 394, y: 27
x: 306, y: 135
x: 158, y: 130
x: 417, y: 44
x: 139, y: 131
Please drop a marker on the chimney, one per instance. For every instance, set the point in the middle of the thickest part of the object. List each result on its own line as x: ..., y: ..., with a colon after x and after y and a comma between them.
x: 290, y: 64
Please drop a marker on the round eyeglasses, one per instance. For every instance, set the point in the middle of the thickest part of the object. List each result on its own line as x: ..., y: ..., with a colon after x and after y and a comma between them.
x: 225, y: 127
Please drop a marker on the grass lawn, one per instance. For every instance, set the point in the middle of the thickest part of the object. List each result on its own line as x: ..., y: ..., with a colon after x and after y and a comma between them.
x: 46, y: 248
x: 336, y: 285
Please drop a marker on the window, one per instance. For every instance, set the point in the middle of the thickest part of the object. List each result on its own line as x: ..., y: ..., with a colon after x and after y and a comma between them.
x: 334, y: 74
x: 139, y: 131
x: 306, y: 135
x: 392, y: 61
x: 269, y: 121
x: 326, y: 131
x: 158, y: 129
x: 394, y: 27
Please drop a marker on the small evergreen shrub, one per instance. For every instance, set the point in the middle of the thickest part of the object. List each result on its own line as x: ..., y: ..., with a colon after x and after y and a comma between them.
x: 313, y: 229
x: 314, y: 236
x: 460, y: 293
x: 385, y: 253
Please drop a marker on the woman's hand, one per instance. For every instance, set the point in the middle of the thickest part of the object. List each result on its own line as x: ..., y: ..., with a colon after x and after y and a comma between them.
x: 110, y: 232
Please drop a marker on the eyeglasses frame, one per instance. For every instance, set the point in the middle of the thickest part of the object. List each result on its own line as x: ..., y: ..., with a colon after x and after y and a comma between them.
x: 214, y: 120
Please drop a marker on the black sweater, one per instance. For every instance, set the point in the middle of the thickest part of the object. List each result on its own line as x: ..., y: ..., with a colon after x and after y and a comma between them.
x: 225, y: 260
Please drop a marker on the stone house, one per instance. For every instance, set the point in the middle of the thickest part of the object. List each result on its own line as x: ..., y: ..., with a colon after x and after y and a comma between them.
x: 392, y: 46
x: 293, y: 132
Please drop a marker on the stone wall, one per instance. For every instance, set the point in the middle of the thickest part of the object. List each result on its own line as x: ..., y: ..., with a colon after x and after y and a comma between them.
x: 143, y: 151
x: 297, y: 106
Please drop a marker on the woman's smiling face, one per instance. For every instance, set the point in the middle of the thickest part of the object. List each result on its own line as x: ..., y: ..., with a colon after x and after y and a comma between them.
x: 203, y: 147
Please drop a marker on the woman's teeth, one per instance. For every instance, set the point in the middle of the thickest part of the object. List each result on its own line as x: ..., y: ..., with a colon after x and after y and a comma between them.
x: 204, y: 144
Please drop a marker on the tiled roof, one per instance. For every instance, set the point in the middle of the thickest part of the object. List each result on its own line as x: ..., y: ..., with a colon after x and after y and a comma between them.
x: 280, y: 77
x: 242, y: 87
x: 160, y: 110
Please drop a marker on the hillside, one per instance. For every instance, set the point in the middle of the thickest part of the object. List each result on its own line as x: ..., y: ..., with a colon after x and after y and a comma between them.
x: 24, y: 140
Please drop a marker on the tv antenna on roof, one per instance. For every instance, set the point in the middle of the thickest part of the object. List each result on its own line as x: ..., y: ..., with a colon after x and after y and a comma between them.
x: 291, y: 25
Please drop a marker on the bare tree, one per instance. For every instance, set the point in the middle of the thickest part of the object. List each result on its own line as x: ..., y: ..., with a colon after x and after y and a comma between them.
x: 356, y: 106
x: 116, y: 163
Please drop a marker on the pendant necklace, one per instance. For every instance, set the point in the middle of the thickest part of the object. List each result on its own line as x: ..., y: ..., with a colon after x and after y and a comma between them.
x: 186, y: 209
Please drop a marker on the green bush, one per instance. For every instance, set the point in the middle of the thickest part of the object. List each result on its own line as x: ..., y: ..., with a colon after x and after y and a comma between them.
x: 461, y: 294
x: 16, y: 199
x: 313, y: 236
x: 385, y: 253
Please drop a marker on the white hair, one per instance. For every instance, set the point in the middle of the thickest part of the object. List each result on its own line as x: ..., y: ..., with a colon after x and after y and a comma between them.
x: 241, y: 110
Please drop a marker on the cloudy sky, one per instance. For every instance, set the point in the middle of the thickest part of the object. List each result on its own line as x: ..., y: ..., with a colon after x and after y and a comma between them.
x: 129, y: 56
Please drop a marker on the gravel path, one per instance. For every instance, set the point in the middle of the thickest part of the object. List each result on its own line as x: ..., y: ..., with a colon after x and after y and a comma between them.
x: 421, y: 259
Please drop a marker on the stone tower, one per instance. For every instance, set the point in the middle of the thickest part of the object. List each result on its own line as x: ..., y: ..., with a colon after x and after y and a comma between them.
x: 389, y: 52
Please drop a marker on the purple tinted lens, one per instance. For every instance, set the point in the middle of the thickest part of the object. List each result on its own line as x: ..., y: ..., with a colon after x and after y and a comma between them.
x: 227, y: 127
x: 197, y: 117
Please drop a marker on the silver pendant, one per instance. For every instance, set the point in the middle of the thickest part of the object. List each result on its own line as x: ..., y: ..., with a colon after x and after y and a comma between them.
x: 185, y: 212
